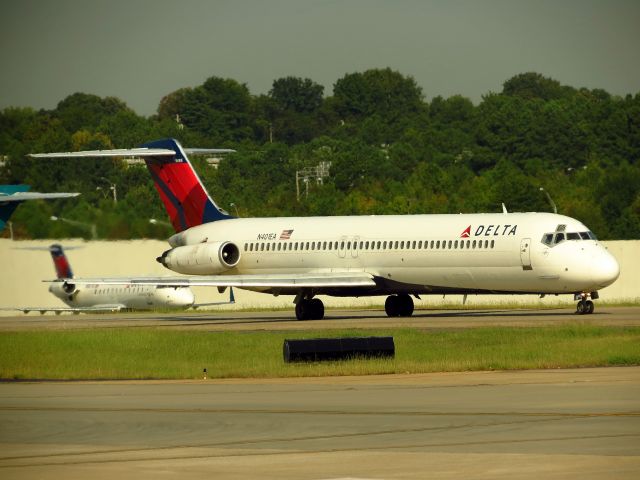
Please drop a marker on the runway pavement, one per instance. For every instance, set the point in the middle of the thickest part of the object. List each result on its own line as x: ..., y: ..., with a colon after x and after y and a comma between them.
x: 554, y: 424
x: 217, y: 320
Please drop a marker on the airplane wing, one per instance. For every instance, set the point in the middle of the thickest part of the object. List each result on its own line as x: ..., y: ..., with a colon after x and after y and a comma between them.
x: 231, y: 301
x: 59, y: 310
x: 23, y: 196
x: 300, y: 280
x: 212, y: 304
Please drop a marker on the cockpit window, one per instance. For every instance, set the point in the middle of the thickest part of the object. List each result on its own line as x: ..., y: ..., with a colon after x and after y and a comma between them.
x: 552, y: 239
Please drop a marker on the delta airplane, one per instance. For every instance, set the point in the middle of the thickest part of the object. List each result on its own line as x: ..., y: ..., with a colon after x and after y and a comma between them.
x: 13, y: 195
x: 399, y: 256
x: 93, y: 297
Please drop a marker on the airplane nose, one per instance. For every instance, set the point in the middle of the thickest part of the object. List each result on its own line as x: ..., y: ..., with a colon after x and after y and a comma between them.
x: 605, y: 269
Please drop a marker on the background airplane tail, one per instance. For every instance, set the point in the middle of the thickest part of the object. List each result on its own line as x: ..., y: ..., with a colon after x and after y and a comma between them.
x: 7, y: 208
x: 186, y: 200
x: 60, y: 262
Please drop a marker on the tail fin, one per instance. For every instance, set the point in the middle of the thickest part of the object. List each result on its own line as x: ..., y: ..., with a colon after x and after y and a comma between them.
x: 60, y: 262
x: 7, y: 208
x: 185, y: 198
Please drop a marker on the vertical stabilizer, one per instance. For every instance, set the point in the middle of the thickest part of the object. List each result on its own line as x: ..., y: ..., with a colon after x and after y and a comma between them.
x: 60, y: 262
x: 187, y: 202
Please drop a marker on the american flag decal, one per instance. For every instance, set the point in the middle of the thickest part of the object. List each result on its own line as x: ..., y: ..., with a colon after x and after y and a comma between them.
x: 286, y: 234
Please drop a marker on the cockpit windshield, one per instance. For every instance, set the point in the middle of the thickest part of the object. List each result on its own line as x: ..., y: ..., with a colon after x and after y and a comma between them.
x: 553, y: 239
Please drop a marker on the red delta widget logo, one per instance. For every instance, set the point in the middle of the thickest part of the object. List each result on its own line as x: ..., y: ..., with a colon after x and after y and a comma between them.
x: 490, y: 231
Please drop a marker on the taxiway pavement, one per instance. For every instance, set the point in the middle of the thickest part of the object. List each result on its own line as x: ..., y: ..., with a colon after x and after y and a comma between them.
x: 218, y: 320
x: 582, y: 423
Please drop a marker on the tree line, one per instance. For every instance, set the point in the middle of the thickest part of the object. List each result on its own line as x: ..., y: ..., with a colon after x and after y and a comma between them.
x: 390, y: 151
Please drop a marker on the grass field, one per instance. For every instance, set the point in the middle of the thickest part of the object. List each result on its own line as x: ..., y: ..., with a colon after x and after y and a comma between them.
x: 161, y: 354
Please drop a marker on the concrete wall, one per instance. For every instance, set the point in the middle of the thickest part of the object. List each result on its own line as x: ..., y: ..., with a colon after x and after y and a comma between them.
x: 23, y: 268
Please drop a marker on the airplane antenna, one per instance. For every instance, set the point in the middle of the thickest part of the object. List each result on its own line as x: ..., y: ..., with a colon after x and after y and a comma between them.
x: 504, y: 209
x: 553, y: 204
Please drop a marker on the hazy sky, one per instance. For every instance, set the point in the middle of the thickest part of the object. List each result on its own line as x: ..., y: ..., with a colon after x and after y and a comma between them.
x: 141, y: 50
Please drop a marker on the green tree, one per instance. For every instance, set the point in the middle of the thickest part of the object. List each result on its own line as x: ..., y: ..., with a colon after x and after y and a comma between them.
x: 84, y: 111
x: 384, y: 92
x: 218, y: 109
x: 532, y: 85
x: 291, y: 112
x: 301, y: 95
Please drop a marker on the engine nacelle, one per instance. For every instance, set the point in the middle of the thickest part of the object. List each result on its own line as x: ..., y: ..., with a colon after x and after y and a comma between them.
x: 63, y: 290
x: 201, y: 259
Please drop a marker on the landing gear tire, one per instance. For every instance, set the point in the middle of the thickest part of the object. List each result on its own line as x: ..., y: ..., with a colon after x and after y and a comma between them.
x: 310, y: 309
x: 391, y: 306
x: 317, y: 309
x: 590, y: 307
x: 398, y: 305
x: 406, y: 305
x: 585, y: 307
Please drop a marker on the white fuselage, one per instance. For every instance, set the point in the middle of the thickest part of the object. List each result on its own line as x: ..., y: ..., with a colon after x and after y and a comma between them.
x: 134, y: 297
x: 490, y: 253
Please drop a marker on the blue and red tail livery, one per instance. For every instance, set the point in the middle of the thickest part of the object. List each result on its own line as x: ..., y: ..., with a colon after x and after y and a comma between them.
x: 60, y: 262
x: 185, y: 198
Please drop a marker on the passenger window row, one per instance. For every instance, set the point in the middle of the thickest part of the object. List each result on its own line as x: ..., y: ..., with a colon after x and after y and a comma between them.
x: 369, y: 245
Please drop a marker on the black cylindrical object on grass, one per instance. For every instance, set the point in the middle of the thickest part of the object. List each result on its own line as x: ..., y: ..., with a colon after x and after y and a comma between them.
x: 314, y: 349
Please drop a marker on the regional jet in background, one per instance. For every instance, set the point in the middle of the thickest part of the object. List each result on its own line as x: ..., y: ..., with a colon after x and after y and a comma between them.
x: 399, y: 256
x: 88, y: 297
x: 13, y: 195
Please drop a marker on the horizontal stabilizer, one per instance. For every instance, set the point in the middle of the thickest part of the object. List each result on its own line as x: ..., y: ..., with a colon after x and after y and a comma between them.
x: 207, y: 151
x: 23, y: 196
x: 121, y: 152
x: 131, y: 152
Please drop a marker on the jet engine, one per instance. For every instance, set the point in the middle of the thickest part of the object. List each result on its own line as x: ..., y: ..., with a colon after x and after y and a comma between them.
x: 64, y: 290
x: 201, y: 259
x: 68, y: 288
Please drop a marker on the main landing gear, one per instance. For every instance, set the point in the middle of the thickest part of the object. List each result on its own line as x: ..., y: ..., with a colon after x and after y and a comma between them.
x: 400, y: 305
x: 309, y: 309
x: 585, y: 306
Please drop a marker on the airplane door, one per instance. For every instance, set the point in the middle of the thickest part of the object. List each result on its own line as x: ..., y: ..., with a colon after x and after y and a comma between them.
x: 525, y: 253
x: 354, y: 248
x: 342, y: 247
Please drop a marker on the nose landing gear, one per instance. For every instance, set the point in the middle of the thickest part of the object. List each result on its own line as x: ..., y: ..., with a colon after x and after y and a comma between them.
x: 585, y: 306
